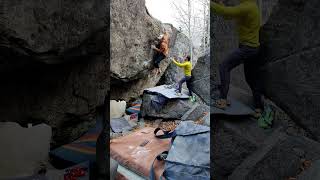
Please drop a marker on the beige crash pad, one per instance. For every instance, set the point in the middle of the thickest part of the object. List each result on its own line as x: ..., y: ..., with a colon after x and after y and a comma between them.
x: 23, y: 150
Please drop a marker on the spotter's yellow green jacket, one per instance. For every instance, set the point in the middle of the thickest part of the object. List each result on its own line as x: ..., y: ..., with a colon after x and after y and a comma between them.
x: 186, y: 65
x: 247, y: 17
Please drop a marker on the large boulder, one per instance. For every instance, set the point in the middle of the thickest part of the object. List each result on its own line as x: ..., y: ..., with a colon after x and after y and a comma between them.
x: 54, y: 64
x: 201, y: 78
x: 51, y: 32
x: 291, y: 57
x: 133, y: 31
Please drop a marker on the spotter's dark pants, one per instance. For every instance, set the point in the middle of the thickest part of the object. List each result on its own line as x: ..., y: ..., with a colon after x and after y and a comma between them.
x: 249, y: 56
x: 186, y: 79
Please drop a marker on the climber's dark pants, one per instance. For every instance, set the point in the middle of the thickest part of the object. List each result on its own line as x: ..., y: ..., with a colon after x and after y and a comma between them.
x: 186, y: 79
x: 249, y: 56
x: 158, y: 58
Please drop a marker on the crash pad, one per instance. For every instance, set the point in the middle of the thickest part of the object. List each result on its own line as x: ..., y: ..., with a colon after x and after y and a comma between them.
x: 55, y: 174
x: 81, y: 150
x: 135, y: 108
x: 235, y: 108
x: 23, y: 150
x: 138, y: 150
x: 119, y: 125
x: 167, y: 92
x: 117, y: 108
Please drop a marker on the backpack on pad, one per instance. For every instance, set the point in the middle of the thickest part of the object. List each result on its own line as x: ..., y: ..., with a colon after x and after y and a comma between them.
x: 189, y: 154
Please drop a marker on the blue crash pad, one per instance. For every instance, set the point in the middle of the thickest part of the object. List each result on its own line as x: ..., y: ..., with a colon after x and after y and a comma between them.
x: 119, y: 125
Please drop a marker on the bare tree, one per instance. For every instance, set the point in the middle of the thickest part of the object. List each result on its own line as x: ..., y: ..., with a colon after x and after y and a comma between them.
x: 193, y: 17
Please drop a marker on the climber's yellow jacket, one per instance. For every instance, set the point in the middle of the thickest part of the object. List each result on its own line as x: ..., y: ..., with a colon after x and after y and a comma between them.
x: 186, y: 65
x: 247, y: 18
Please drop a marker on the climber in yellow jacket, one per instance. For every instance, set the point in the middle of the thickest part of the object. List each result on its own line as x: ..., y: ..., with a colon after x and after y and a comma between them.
x: 187, y: 66
x: 247, y: 17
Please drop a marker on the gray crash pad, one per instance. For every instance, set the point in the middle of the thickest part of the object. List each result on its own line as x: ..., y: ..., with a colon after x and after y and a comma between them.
x: 167, y: 92
x: 119, y: 125
x: 235, y: 108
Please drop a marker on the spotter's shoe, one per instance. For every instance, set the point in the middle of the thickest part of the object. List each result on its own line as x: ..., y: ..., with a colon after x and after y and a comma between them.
x: 192, y: 98
x: 221, y: 103
x: 257, y: 114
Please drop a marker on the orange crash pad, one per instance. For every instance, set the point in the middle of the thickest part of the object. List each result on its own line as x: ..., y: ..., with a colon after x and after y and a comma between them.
x: 138, y: 150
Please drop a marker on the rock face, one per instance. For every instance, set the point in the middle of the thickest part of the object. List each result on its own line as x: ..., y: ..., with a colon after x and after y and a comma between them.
x: 52, y: 32
x: 291, y: 57
x: 288, y: 151
x: 133, y: 31
x: 196, y: 112
x: 201, y: 78
x: 54, y: 64
x: 234, y: 140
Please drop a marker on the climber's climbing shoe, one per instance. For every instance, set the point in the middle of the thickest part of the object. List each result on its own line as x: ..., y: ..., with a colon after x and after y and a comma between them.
x: 178, y: 94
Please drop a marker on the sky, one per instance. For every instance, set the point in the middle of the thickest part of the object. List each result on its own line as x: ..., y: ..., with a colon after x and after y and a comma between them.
x: 157, y: 8
x: 166, y: 12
